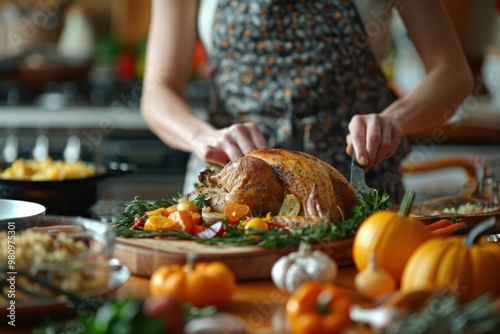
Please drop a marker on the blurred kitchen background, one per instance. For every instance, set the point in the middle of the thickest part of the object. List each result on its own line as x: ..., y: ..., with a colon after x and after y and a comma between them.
x: 73, y: 69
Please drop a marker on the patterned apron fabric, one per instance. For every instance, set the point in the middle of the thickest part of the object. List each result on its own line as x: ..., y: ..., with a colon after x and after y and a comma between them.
x: 299, y: 69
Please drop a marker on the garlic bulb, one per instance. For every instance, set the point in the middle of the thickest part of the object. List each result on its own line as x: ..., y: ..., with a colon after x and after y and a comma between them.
x: 290, y: 271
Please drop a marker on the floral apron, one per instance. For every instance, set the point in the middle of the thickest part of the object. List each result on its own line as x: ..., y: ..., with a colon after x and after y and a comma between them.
x: 299, y: 69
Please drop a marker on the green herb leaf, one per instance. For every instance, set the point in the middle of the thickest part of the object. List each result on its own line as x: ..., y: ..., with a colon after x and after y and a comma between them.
x: 275, y: 237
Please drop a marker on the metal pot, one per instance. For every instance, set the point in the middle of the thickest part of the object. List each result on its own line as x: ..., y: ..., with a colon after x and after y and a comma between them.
x: 65, y: 197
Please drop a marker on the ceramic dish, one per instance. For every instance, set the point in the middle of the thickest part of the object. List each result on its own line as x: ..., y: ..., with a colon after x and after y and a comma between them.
x: 19, y: 215
x: 433, y: 210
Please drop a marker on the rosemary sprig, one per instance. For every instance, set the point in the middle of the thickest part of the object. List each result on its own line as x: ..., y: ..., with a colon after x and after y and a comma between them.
x: 128, y: 233
x: 138, y: 208
x: 275, y: 237
x: 444, y: 314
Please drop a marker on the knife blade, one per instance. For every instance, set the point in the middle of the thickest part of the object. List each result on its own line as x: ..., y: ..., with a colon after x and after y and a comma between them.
x: 357, y: 178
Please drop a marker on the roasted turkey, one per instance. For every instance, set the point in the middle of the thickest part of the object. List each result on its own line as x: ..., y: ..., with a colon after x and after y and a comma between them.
x: 262, y: 178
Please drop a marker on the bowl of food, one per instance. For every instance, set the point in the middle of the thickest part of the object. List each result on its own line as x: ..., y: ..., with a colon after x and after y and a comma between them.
x: 468, y: 209
x: 18, y: 215
x: 59, y: 266
x: 69, y: 253
x: 64, y: 188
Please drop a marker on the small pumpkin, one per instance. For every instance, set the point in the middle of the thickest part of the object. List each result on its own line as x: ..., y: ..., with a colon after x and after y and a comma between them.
x: 467, y: 264
x: 290, y: 271
x: 202, y: 284
x: 392, y: 236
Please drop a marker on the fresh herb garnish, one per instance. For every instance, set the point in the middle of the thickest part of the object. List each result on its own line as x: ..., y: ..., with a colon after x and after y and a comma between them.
x: 443, y: 313
x: 275, y: 237
x: 199, y: 201
x: 118, y: 315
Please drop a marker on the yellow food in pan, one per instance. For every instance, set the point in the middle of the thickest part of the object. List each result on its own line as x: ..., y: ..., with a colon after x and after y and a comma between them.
x: 47, y: 170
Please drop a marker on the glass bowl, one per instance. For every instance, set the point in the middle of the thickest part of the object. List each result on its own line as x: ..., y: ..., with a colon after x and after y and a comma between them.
x: 69, y: 253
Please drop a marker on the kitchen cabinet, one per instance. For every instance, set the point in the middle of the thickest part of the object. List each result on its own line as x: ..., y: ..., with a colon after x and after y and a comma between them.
x: 130, y: 21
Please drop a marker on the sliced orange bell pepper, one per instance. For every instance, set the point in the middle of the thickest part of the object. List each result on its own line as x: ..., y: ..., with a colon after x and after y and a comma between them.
x: 162, y: 211
x: 183, y: 220
x: 317, y: 307
x: 195, y: 218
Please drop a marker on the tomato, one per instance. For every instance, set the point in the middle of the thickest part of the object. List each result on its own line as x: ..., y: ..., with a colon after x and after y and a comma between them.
x: 256, y: 224
x: 187, y: 206
x: 236, y: 211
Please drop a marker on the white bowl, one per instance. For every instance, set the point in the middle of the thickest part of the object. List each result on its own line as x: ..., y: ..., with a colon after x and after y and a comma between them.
x: 19, y: 215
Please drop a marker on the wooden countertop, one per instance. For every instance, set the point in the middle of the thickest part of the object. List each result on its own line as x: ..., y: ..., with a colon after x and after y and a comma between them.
x: 258, y: 303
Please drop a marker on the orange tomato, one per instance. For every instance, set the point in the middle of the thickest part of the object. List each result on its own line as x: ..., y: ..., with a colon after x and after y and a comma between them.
x: 236, y: 211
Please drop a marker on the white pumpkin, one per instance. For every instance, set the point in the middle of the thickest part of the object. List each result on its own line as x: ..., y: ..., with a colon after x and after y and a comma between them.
x: 291, y: 270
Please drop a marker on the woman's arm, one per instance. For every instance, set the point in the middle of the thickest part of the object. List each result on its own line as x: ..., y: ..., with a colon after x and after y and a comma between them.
x: 447, y: 82
x: 171, y: 40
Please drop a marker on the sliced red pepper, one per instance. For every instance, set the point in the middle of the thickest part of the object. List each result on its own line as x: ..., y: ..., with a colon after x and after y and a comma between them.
x: 138, y: 222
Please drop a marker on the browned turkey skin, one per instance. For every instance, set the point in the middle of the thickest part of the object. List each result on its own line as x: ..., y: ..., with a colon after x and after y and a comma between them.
x: 261, y: 179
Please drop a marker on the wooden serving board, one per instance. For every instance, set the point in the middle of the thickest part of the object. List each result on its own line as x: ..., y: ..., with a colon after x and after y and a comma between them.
x: 143, y: 256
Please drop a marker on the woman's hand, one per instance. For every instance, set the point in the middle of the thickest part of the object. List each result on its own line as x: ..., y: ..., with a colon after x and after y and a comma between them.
x: 229, y: 143
x: 374, y: 138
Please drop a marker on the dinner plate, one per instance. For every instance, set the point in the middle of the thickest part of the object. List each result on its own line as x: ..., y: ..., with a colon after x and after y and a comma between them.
x: 32, y: 310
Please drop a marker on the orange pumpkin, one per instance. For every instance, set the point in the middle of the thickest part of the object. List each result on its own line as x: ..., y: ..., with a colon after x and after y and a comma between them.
x: 202, y: 284
x: 469, y: 265
x: 392, y: 236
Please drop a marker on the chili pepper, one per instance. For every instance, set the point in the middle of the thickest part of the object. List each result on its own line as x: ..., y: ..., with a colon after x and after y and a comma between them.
x: 138, y: 222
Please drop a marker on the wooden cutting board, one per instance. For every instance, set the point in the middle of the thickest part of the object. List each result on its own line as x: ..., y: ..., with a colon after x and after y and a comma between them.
x: 143, y: 256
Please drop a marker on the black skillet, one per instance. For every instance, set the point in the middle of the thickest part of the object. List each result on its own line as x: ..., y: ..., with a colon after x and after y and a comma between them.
x: 65, y: 197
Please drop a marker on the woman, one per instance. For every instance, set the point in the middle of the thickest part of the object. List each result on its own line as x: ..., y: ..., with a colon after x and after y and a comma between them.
x: 301, y: 75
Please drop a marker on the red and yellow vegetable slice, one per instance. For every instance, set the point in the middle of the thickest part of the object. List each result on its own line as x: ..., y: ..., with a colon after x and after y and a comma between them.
x: 237, y: 211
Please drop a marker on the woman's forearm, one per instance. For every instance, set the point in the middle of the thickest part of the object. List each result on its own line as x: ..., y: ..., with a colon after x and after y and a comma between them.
x: 434, y: 100
x: 170, y: 117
